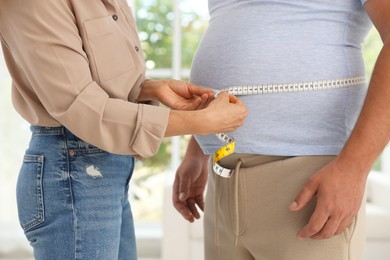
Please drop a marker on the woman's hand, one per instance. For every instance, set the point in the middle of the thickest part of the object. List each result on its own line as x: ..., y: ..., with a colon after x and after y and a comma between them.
x: 224, y: 114
x: 176, y: 94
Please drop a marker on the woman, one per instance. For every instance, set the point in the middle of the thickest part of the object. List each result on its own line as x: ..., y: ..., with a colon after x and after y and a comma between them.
x: 79, y: 78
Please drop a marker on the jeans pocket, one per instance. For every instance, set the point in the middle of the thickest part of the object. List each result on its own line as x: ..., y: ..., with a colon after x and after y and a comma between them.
x: 29, y: 192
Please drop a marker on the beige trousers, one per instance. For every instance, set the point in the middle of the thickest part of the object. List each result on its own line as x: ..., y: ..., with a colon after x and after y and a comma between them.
x: 247, y: 217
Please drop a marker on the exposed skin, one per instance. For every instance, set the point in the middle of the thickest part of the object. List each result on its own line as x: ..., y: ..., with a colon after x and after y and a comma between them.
x: 190, y: 182
x: 176, y: 94
x: 194, y: 109
x: 339, y: 186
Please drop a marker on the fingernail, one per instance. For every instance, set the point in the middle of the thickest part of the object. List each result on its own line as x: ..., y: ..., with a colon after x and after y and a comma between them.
x: 181, y: 196
x: 299, y: 236
x: 293, y: 205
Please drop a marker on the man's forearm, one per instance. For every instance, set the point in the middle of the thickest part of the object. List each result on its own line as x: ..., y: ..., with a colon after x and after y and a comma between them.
x: 194, y: 150
x: 372, y: 130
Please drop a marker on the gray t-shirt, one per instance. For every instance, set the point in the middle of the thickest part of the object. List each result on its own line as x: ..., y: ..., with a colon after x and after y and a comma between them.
x: 252, y: 42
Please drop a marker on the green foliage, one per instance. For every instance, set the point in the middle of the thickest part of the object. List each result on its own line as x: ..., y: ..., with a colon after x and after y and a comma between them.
x: 155, y: 25
x: 377, y: 165
x: 193, y: 28
x: 371, y: 49
x: 162, y: 158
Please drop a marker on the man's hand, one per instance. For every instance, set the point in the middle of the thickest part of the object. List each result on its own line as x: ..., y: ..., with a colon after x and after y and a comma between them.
x: 339, y: 192
x: 190, y: 182
x: 339, y: 186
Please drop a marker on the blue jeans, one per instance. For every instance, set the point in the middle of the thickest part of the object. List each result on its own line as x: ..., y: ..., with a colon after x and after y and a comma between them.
x: 73, y: 199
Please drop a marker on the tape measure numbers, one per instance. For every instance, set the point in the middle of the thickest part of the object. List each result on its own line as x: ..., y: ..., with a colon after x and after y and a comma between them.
x: 229, y: 141
x: 223, y: 152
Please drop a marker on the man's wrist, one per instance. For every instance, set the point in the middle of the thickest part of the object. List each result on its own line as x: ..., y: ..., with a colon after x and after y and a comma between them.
x: 356, y: 162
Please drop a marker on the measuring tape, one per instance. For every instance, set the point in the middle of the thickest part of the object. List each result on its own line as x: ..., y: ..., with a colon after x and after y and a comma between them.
x: 229, y: 141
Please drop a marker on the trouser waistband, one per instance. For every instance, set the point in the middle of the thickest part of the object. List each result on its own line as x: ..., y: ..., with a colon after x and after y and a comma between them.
x: 248, y: 160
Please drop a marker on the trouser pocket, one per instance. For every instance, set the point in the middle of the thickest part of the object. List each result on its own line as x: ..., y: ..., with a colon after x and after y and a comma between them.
x: 29, y: 192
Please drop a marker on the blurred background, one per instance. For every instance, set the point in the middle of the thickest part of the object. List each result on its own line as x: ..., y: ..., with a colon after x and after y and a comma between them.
x: 170, y: 31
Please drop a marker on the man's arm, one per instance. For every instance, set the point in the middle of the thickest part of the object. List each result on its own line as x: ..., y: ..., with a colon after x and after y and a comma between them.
x: 190, y: 182
x: 339, y: 186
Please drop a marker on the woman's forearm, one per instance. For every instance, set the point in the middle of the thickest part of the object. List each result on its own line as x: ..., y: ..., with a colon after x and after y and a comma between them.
x: 223, y: 114
x: 148, y: 90
x: 184, y: 123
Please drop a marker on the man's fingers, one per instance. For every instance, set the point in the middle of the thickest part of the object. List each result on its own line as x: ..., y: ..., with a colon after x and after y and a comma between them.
x: 188, y: 209
x: 344, y: 225
x: 182, y: 208
x: 184, y: 187
x: 192, y: 207
x: 329, y: 229
x: 200, y: 202
x: 179, y: 205
x: 304, y: 196
x: 175, y: 189
x: 315, y: 225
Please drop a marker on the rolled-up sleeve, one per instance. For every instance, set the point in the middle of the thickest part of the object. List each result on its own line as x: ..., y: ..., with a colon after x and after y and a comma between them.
x: 51, y: 59
x: 115, y: 125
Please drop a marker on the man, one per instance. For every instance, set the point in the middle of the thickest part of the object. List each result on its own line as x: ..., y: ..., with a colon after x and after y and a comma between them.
x: 302, y: 158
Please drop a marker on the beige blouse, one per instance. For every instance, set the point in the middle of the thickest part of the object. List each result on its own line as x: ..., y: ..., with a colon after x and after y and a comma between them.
x: 78, y: 63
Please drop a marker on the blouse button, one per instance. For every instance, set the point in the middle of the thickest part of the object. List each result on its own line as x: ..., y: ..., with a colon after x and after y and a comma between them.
x: 136, y: 48
x: 115, y: 17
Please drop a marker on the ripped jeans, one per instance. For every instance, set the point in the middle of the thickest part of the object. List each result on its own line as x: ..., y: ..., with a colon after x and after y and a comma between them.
x: 73, y: 199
